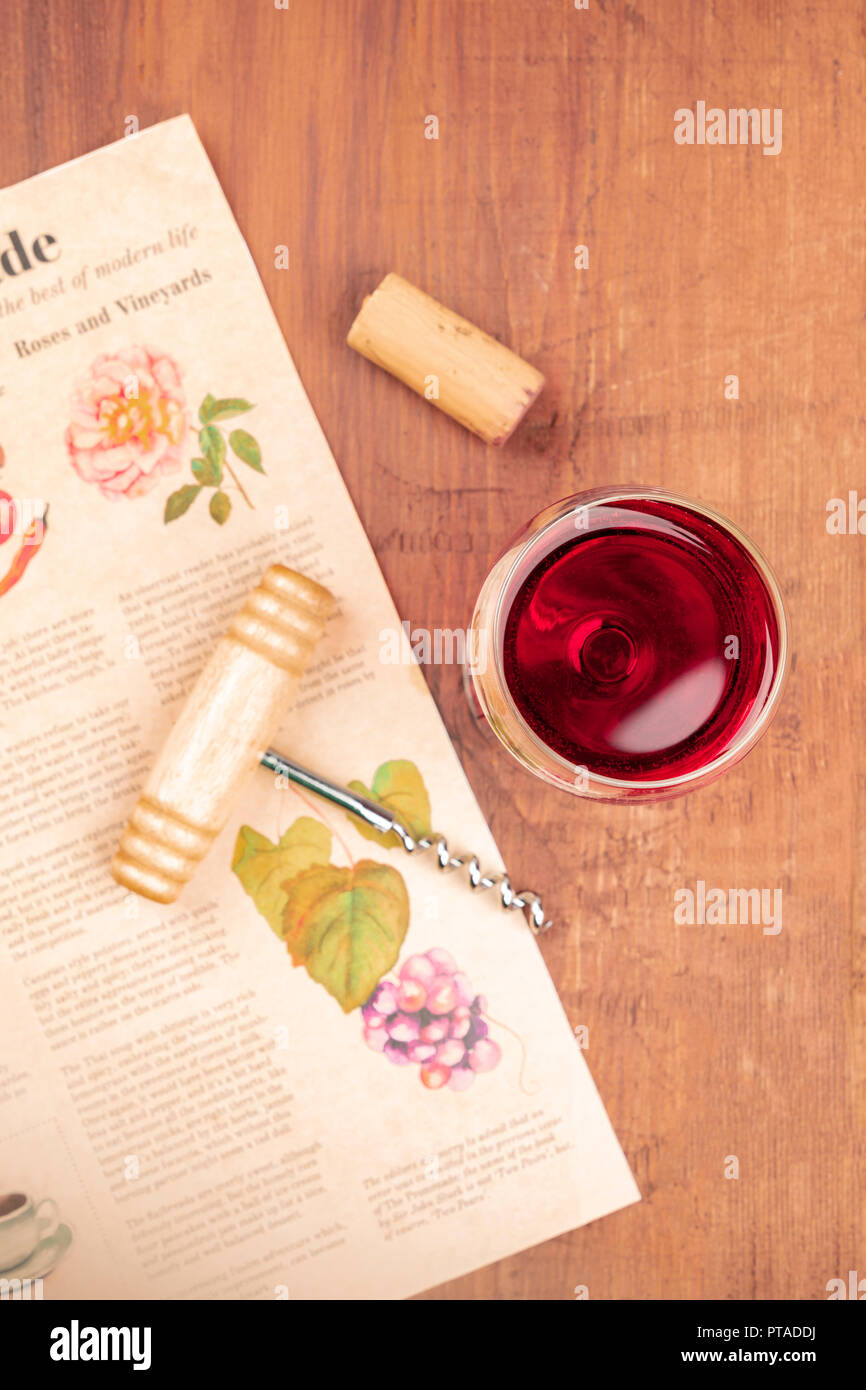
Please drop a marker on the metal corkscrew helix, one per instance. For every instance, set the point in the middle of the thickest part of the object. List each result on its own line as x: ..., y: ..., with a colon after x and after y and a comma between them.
x: 380, y: 818
x: 233, y: 711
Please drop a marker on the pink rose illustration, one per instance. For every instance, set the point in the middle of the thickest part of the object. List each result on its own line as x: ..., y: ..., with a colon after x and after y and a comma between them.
x: 128, y: 421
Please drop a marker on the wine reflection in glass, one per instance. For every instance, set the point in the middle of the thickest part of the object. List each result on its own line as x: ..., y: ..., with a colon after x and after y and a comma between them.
x: 628, y: 645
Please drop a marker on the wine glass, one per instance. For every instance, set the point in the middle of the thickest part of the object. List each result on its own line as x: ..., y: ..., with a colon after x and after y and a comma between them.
x: 628, y: 645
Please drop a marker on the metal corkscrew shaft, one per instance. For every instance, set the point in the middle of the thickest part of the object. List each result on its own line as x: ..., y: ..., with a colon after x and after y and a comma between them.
x: 232, y: 712
x: 381, y: 819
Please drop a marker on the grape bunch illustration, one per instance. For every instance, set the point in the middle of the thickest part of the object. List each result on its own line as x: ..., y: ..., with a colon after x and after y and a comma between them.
x: 431, y: 1016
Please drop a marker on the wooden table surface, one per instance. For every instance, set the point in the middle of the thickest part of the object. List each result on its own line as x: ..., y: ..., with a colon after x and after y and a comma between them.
x: 556, y: 130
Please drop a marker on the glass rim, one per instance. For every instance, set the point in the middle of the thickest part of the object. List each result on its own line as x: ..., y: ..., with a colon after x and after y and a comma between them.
x: 601, y: 496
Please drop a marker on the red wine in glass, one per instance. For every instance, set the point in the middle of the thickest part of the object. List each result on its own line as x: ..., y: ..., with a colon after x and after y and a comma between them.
x: 639, y: 644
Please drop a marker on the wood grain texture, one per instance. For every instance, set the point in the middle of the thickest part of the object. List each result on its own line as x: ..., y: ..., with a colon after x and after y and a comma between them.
x: 556, y: 129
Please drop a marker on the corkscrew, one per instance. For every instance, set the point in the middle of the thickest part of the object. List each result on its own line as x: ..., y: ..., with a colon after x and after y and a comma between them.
x: 383, y: 820
x: 235, y: 706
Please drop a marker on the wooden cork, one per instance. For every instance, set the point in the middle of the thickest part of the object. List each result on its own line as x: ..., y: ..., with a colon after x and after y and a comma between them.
x: 230, y: 717
x: 445, y: 359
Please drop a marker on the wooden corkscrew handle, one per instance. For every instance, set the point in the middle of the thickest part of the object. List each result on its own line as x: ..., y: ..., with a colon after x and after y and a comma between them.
x: 230, y: 716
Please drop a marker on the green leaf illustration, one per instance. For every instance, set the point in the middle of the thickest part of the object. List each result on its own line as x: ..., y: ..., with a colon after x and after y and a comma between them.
x: 178, y: 502
x: 247, y: 449
x: 225, y: 409
x: 212, y: 445
x: 346, y: 926
x: 208, y: 472
x: 220, y: 507
x: 399, y: 786
x: 265, y: 868
x: 209, y: 468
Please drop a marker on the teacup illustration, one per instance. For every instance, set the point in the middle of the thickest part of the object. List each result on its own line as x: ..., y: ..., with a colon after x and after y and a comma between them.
x: 22, y: 1227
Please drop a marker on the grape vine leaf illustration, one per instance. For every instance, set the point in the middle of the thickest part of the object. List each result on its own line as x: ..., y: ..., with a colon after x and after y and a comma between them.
x: 399, y: 786
x: 346, y: 926
x: 264, y: 868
